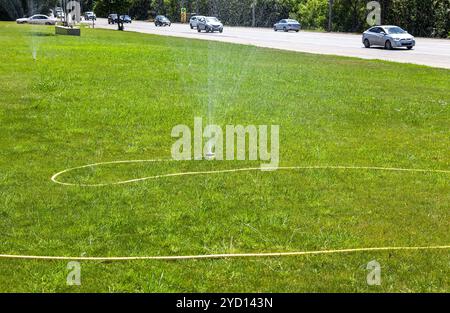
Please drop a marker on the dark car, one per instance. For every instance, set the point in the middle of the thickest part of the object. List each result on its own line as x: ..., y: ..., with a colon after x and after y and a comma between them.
x: 112, y: 18
x: 125, y: 18
x: 161, y: 20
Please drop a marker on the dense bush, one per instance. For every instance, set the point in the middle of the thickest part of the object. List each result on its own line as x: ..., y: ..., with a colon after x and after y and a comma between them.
x: 313, y: 14
x: 421, y: 17
x: 428, y: 18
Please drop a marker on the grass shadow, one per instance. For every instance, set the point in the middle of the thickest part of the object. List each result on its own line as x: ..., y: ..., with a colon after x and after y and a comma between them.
x: 40, y: 34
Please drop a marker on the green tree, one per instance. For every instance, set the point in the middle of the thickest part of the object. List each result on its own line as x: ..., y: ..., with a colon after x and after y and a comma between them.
x: 104, y: 7
x: 313, y: 14
x: 13, y: 9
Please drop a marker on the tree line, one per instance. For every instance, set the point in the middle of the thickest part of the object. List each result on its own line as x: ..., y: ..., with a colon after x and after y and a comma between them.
x: 428, y: 18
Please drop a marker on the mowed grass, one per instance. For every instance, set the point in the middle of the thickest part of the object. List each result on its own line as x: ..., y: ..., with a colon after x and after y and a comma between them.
x: 109, y: 95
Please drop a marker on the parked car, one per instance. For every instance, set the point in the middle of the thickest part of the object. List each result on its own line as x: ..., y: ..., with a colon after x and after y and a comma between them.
x: 38, y: 19
x: 194, y: 20
x: 90, y: 16
x: 22, y: 20
x: 389, y: 37
x: 209, y: 24
x: 125, y: 18
x: 287, y: 25
x: 161, y: 20
x: 112, y: 18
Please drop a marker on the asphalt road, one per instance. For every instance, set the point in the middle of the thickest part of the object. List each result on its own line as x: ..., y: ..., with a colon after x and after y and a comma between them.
x: 431, y: 52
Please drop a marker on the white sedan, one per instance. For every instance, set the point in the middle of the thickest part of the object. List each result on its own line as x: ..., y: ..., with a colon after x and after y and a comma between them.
x: 37, y: 19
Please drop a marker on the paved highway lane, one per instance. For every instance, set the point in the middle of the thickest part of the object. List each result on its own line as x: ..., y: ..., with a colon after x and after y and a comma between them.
x: 431, y: 52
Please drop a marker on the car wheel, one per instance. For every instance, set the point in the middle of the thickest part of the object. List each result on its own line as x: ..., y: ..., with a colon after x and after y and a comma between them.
x: 388, y: 45
x: 275, y: 29
x: 366, y: 43
x: 221, y: 31
x: 198, y: 29
x: 285, y: 29
x: 192, y: 27
x: 297, y: 30
x: 410, y: 47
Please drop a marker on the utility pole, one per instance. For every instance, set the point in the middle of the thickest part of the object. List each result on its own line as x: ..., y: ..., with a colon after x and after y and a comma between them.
x: 254, y: 13
x: 330, y: 15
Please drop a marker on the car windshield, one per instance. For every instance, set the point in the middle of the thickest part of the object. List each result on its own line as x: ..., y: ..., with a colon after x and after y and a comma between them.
x: 395, y: 30
x: 292, y: 21
x: 212, y: 19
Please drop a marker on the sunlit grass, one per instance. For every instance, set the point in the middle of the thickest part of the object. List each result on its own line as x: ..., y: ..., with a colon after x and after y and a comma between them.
x: 108, y: 96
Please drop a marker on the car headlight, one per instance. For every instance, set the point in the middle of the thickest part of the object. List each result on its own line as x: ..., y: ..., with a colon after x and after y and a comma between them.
x: 397, y: 39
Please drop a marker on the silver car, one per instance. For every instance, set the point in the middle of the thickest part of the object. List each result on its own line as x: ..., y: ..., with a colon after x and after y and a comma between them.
x: 287, y: 25
x: 389, y: 37
x: 38, y: 19
x: 209, y: 24
x: 193, y: 21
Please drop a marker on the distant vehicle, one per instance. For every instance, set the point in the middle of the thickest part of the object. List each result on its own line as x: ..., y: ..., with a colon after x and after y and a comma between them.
x: 59, y: 13
x: 287, y: 25
x: 194, y: 21
x: 37, y: 19
x: 388, y: 37
x: 22, y: 20
x: 161, y: 20
x: 89, y: 16
x: 125, y: 18
x: 112, y: 18
x: 209, y: 24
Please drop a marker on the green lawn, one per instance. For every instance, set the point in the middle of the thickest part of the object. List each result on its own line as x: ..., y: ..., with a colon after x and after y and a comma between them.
x: 109, y: 96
